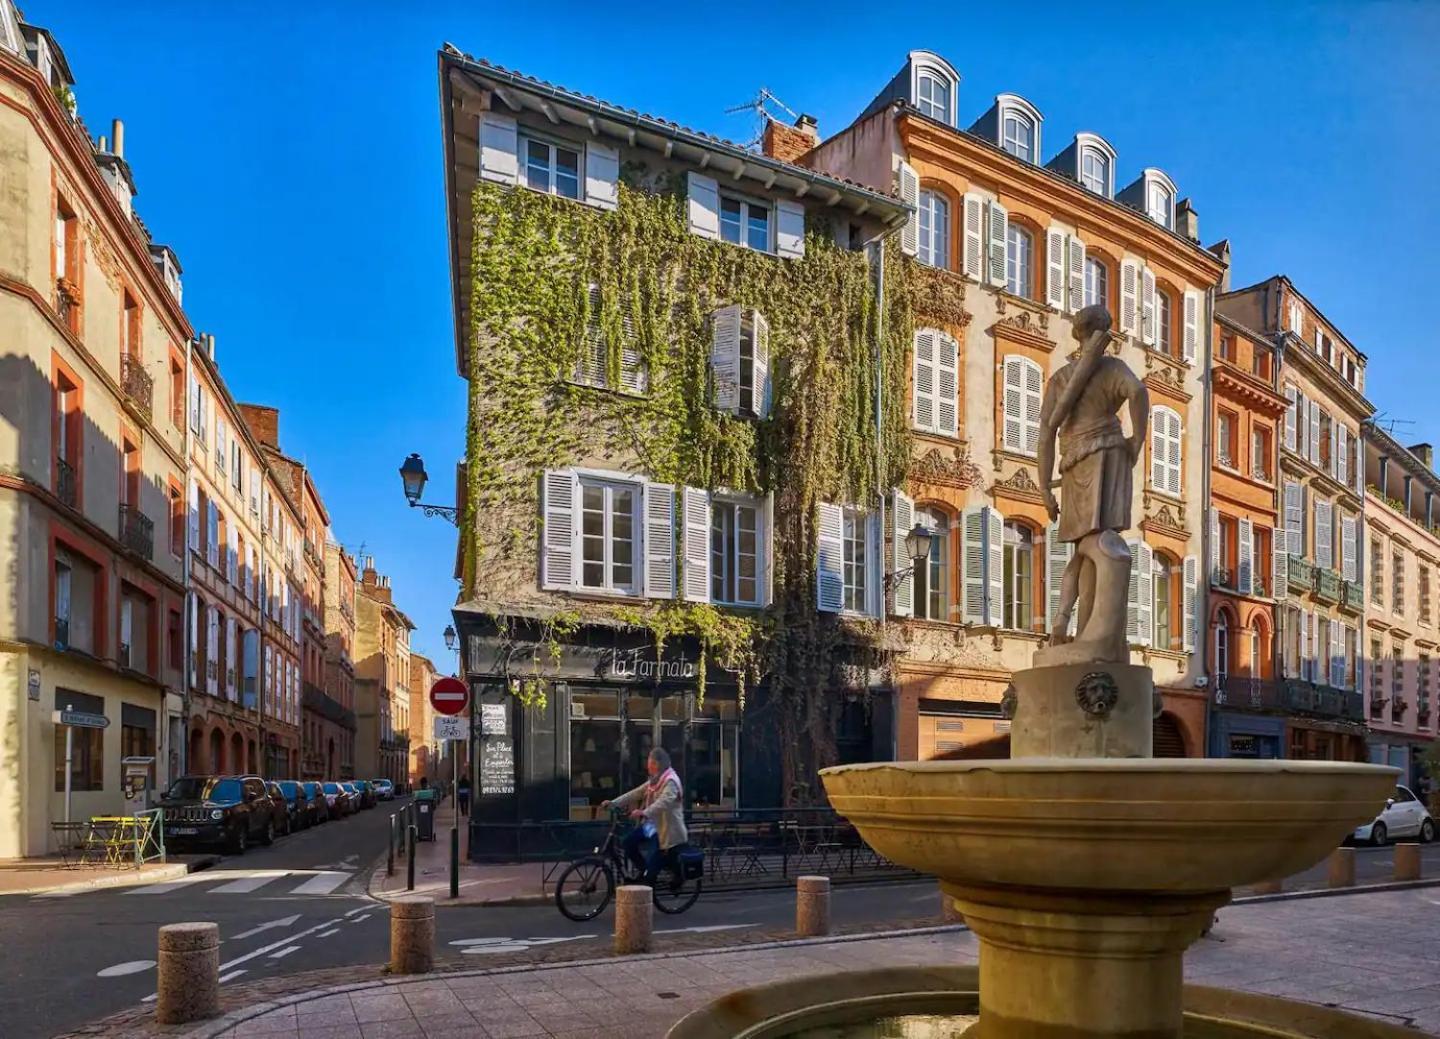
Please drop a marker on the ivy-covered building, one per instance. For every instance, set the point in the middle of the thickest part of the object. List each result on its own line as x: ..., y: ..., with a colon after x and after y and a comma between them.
x: 688, y: 368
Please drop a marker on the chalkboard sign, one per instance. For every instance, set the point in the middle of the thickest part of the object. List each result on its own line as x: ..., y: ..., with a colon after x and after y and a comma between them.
x: 497, y: 766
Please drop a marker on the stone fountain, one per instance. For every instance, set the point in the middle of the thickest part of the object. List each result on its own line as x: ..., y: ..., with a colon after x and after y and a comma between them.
x: 1085, y: 866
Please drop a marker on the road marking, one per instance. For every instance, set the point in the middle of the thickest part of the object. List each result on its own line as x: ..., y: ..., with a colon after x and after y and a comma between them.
x: 357, y: 919
x: 359, y: 909
x: 174, y: 885
x: 349, y: 862
x: 284, y: 921
x: 258, y: 879
x: 231, y: 976
x: 119, y: 970
x: 283, y: 953
x: 490, y: 946
x: 322, y: 883
x: 701, y: 930
x: 327, y: 934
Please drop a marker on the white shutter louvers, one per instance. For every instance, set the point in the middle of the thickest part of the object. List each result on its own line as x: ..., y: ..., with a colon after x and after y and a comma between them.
x: 1190, y: 341
x: 1055, y: 269
x: 725, y: 357
x: 1077, y: 274
x: 947, y: 385
x: 602, y: 175
x: 900, y: 519
x: 1188, y: 630
x: 695, y: 505
x: 499, y: 147
x: 1129, y: 297
x: 702, y: 205
x: 996, y: 237
x: 1245, y: 579
x: 973, y: 260
x: 829, y: 558
x: 660, y: 540
x: 910, y: 194
x: 924, y: 381
x: 760, y: 365
x: 789, y: 229
x: 559, y: 500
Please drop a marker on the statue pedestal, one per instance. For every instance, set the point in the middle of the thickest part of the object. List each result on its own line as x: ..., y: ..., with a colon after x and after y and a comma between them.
x: 1096, y: 710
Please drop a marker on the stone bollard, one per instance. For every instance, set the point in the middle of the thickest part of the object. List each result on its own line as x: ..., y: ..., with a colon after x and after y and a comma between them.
x: 1342, y: 867
x: 1407, y: 861
x: 948, y: 911
x: 812, y: 906
x: 188, y: 987
x: 412, y: 935
x: 1268, y: 887
x: 634, y: 918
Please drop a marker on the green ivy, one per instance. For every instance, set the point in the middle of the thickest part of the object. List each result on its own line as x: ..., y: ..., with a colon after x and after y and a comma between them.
x: 533, y: 260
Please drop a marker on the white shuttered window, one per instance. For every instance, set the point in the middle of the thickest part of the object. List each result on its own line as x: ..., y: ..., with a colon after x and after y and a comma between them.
x: 1023, y: 388
x: 936, y: 382
x: 1165, y: 450
x: 982, y: 560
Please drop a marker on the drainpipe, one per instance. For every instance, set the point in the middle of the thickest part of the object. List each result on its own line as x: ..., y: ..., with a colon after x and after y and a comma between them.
x: 187, y: 624
x: 1202, y: 594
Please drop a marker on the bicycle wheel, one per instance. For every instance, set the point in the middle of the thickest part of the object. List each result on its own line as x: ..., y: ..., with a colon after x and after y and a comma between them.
x: 673, y: 893
x: 584, y: 889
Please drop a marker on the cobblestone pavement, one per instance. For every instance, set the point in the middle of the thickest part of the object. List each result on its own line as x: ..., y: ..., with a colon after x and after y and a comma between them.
x: 1374, y: 953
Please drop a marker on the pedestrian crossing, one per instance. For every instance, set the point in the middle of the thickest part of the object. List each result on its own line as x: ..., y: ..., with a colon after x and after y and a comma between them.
x: 268, y: 883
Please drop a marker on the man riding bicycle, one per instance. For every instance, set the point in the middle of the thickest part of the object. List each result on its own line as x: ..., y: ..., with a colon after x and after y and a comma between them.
x: 660, y: 816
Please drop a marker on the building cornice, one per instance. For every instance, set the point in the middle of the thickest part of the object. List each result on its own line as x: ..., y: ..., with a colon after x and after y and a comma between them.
x: 1294, y: 352
x: 1249, y: 390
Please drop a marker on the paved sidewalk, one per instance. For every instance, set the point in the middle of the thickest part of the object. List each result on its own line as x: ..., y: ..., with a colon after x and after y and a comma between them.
x: 50, y: 876
x: 480, y: 884
x: 1374, y: 954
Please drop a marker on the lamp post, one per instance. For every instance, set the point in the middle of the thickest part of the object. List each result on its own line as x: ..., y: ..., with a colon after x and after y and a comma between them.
x: 414, y: 478
x: 450, y: 641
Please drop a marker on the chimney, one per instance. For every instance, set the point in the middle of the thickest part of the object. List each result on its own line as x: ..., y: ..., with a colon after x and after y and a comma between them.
x: 117, y: 133
x: 789, y: 143
x: 210, y: 346
x: 1187, y: 221
x: 1425, y: 453
x: 1221, y: 251
x: 368, y: 577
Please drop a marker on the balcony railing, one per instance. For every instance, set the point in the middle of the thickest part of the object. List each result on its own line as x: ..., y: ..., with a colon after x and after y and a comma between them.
x: 1327, y: 585
x: 1397, y: 709
x: 1260, y: 470
x: 1223, y: 578
x: 137, y: 383
x: 67, y: 488
x: 67, y: 302
x: 1353, y: 598
x: 62, y: 633
x: 1300, y: 573
x: 313, y: 698
x: 1238, y: 692
x: 137, y: 531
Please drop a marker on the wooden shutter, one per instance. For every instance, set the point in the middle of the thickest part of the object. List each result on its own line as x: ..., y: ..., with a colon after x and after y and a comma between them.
x: 1033, y: 395
x: 1305, y: 659
x: 766, y: 539
x: 1055, y: 270
x: 1349, y: 545
x: 1314, y: 440
x: 194, y: 640
x: 900, y: 520
x: 230, y: 657
x: 910, y: 194
x: 994, y: 567
x: 972, y: 565
x: 789, y: 229
x: 1245, y: 551
x: 973, y: 259
x: 997, y: 223
x: 725, y: 357
x: 1214, y: 546
x: 1176, y: 446
x: 925, y: 349
x: 194, y: 518
x: 1147, y: 305
x: 702, y: 207
x: 602, y: 175
x: 560, y: 493
x: 1057, y: 558
x: 1190, y: 602
x: 212, y: 531
x: 1146, y: 565
x: 660, y: 540
x: 1359, y: 473
x: 829, y: 558
x: 592, y: 362
x: 1324, y: 536
x: 760, y: 366
x: 1295, y: 519
x: 1190, y: 340
x: 1342, y: 451
x: 1159, y: 455
x: 947, y: 385
x: 1134, y: 628
x: 1014, y: 404
x: 696, y: 537
x: 1291, y: 393
x: 499, y: 148
x: 1279, y: 562
x: 212, y: 648
x: 1077, y: 274
x: 1129, y: 297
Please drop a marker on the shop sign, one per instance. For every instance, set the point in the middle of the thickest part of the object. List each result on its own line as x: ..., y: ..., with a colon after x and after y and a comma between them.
x: 82, y: 719
x: 633, y: 665
x: 493, y: 719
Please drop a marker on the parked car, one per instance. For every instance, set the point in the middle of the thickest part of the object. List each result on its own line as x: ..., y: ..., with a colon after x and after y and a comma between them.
x: 229, y: 810
x: 337, y: 800
x: 1403, y: 816
x: 352, y: 796
x: 301, y: 807
x: 366, y: 789
x: 384, y: 789
x: 284, y: 818
x: 315, y: 792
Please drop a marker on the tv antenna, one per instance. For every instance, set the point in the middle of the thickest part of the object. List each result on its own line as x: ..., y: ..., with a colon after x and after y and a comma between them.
x: 1388, y: 423
x: 760, y: 106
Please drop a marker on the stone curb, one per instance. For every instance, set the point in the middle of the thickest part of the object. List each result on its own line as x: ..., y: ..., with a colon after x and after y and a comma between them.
x: 1327, y: 892
x: 218, y: 1027
x: 170, y: 871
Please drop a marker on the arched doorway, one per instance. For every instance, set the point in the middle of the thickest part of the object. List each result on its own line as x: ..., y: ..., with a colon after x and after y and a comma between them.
x: 217, y: 750
x: 1169, y: 739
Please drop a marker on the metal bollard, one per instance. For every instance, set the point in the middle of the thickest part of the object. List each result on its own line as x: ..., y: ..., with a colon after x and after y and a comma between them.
x: 634, y: 918
x: 188, y: 984
x: 410, y: 866
x: 1407, y: 861
x: 454, y: 862
x: 812, y: 906
x: 390, y: 850
x: 1342, y: 867
x: 412, y: 935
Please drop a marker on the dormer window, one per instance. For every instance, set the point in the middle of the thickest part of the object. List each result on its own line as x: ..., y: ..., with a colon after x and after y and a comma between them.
x: 1160, y: 204
x: 1018, y: 136
x: 932, y: 96
x: 1095, y: 171
x: 1013, y: 124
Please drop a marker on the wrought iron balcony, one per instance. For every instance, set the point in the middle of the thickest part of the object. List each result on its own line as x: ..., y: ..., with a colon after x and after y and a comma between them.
x: 67, y: 302
x: 1243, y: 693
x: 1324, y: 701
x: 1260, y: 470
x: 1353, y: 597
x: 1327, y: 585
x: 67, y: 487
x: 137, y: 383
x: 1222, y: 578
x: 137, y: 531
x: 1397, y: 709
x: 313, y: 698
x: 1300, y: 573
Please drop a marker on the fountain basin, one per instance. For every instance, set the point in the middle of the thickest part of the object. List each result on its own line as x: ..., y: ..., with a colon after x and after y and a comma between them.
x: 1108, y: 825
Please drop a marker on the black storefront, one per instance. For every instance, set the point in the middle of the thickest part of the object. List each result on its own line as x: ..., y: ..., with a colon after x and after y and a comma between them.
x: 540, y: 772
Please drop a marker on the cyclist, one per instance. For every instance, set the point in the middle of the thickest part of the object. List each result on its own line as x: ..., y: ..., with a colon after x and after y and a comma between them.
x: 659, y: 814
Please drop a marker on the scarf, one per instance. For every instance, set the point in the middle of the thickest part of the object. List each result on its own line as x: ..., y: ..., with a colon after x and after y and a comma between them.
x: 653, y: 788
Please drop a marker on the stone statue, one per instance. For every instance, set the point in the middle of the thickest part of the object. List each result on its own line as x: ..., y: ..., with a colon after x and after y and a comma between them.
x: 1096, y: 466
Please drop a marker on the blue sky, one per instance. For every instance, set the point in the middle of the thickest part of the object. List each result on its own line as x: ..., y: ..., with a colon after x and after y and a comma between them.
x: 294, y: 162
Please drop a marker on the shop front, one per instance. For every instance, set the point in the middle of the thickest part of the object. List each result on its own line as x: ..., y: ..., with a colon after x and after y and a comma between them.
x: 1238, y: 734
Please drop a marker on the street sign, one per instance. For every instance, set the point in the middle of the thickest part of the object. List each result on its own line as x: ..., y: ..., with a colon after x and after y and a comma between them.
x: 449, y: 727
x: 449, y: 696
x: 81, y: 719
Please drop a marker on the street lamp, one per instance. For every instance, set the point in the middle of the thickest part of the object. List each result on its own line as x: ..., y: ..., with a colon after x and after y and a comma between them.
x: 414, y: 478
x: 450, y: 637
x: 917, y: 547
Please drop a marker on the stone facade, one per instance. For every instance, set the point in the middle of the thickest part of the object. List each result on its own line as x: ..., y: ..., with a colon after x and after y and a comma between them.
x: 336, y: 744
x: 382, y: 640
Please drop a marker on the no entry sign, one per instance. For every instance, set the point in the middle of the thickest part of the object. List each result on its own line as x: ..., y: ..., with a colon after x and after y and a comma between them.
x: 449, y: 696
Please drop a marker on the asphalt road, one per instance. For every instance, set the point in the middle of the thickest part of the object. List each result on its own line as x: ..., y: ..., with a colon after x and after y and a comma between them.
x: 301, y: 905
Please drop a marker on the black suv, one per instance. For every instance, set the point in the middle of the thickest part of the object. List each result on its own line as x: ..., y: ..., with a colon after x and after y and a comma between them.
x: 228, y: 810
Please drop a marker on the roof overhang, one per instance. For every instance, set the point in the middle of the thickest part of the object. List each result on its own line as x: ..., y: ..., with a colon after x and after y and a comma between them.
x: 469, y: 87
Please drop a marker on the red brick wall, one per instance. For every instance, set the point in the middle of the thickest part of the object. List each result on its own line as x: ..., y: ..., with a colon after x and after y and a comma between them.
x: 785, y: 143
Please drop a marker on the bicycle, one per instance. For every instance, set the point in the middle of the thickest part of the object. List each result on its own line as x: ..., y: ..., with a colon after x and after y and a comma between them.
x: 588, y: 883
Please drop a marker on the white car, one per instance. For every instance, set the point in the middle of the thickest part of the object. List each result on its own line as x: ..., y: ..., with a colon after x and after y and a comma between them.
x: 1403, y: 816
